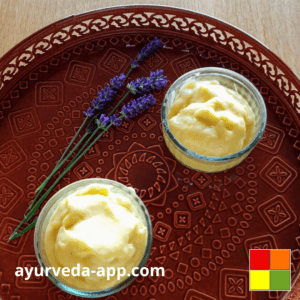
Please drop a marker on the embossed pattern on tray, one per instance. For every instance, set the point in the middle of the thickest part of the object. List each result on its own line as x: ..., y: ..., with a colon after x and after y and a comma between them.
x: 203, y: 224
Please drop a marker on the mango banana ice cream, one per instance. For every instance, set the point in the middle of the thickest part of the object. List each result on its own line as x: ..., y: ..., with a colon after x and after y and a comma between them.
x: 210, y: 119
x: 95, y: 227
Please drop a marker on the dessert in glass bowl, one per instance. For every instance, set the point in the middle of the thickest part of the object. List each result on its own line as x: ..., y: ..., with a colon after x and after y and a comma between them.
x: 212, y: 118
x: 92, y: 224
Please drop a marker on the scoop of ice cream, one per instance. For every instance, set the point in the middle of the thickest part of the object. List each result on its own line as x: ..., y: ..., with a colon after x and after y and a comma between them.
x: 95, y: 227
x: 211, y: 119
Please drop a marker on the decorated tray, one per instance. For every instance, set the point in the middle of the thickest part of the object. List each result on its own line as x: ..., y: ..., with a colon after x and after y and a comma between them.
x: 203, y: 224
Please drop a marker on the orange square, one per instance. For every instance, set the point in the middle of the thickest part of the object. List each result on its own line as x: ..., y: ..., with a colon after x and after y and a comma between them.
x: 280, y: 259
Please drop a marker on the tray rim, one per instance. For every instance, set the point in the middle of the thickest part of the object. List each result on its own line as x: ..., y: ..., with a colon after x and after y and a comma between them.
x: 10, y: 55
x: 108, y: 8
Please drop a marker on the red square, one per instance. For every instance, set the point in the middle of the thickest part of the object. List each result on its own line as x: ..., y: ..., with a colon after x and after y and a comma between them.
x: 259, y: 259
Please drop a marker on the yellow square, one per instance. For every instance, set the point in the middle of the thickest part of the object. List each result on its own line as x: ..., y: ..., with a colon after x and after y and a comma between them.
x: 259, y: 280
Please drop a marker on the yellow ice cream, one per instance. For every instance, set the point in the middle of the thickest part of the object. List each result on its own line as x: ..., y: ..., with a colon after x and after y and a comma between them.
x: 211, y: 119
x: 95, y: 227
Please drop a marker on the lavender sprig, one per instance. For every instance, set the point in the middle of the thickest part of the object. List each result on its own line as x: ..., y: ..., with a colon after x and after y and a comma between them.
x: 156, y: 81
x: 117, y: 121
x: 99, y: 104
x: 128, y: 111
x: 103, y: 121
x: 146, y: 51
x: 105, y: 96
x: 99, y: 121
x: 135, y: 107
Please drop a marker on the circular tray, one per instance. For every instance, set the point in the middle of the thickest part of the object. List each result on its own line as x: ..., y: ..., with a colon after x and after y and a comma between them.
x: 203, y: 224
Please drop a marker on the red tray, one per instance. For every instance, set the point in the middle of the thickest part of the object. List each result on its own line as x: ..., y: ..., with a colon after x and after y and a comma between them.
x: 204, y: 224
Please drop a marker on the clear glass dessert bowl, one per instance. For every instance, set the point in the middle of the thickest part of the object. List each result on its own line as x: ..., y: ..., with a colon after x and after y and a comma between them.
x: 230, y: 80
x: 51, y: 208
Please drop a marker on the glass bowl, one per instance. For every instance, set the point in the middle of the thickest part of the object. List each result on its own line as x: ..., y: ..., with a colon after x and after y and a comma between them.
x: 49, y: 208
x: 230, y: 80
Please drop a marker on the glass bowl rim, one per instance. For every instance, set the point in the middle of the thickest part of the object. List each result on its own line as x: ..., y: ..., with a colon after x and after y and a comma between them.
x: 94, y: 293
x: 234, y: 76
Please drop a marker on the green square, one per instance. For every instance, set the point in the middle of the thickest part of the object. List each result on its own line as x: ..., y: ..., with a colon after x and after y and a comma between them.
x: 280, y: 280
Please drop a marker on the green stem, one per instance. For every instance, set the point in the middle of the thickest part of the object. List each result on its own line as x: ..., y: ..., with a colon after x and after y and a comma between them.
x: 89, y: 139
x: 128, y: 73
x: 27, y: 218
x: 37, y: 205
x: 73, y: 140
x: 93, y: 119
x: 62, y: 160
x: 54, y: 171
x: 31, y: 225
x: 58, y: 165
x: 85, y: 144
x: 113, y: 110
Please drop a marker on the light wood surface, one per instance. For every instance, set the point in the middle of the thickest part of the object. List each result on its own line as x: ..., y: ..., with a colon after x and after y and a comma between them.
x: 276, y: 23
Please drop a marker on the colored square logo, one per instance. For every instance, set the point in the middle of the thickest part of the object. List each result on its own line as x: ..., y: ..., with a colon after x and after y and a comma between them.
x: 270, y: 270
x: 259, y: 259
x: 280, y: 280
x: 259, y: 280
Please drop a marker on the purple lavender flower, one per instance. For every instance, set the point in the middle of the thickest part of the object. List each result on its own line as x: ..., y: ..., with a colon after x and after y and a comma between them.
x: 134, y: 64
x: 105, y: 96
x: 89, y: 112
x: 135, y: 107
x: 156, y: 81
x: 117, y: 82
x: 146, y: 51
x: 103, y: 121
x: 116, y: 120
x: 139, y: 86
